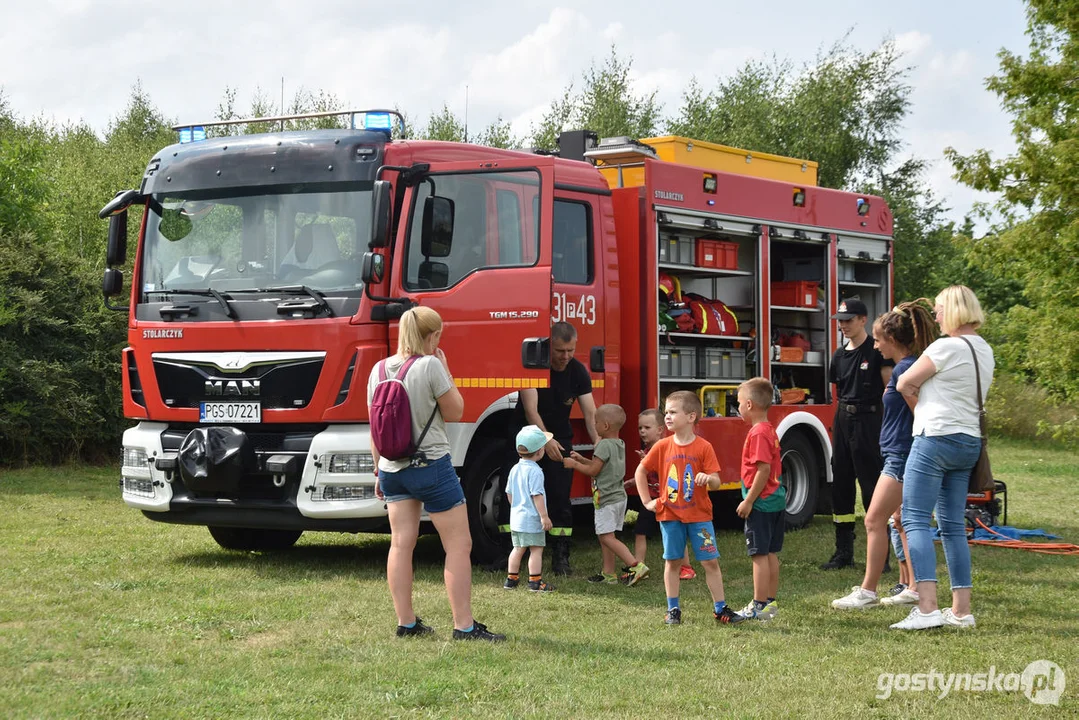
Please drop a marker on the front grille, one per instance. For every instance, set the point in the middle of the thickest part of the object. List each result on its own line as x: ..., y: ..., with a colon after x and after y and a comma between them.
x: 285, y: 385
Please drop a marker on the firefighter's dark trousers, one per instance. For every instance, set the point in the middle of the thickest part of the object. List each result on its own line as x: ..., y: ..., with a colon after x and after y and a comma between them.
x: 855, y: 454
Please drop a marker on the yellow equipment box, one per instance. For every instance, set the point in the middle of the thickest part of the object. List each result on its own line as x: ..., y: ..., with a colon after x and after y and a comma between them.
x: 711, y: 156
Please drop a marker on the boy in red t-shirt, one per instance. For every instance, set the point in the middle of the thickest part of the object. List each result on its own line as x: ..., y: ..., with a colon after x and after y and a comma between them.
x: 688, y: 469
x: 764, y: 503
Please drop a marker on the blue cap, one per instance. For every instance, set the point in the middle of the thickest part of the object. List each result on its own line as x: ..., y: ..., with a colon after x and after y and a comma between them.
x: 532, y: 439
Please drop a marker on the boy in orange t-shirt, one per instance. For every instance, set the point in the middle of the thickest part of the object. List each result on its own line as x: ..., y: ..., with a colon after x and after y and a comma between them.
x: 688, y: 468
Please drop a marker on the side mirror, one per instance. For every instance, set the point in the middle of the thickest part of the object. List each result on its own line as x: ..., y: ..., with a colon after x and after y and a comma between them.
x: 112, y: 284
x: 437, y: 233
x: 116, y: 252
x: 373, y: 269
x: 123, y: 200
x: 380, y: 214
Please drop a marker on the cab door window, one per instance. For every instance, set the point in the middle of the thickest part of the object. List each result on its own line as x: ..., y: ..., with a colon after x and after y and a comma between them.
x: 571, y: 243
x: 490, y: 226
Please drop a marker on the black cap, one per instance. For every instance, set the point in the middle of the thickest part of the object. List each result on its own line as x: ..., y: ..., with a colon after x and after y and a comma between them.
x: 850, y: 308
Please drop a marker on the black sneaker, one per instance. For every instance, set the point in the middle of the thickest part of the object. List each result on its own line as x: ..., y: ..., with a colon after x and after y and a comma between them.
x: 896, y: 589
x: 728, y: 616
x: 540, y: 586
x: 511, y: 583
x: 838, y: 560
x: 479, y: 631
x: 674, y: 617
x: 418, y: 629
x: 597, y: 578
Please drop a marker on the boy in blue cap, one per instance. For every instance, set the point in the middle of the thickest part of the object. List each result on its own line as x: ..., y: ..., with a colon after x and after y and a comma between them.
x: 528, y: 510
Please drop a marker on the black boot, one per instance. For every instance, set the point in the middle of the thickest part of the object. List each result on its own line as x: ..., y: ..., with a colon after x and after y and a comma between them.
x: 844, y: 548
x: 560, y: 558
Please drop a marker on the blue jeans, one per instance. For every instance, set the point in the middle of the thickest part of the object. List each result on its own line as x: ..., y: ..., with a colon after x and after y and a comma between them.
x: 938, y: 474
x: 435, y: 484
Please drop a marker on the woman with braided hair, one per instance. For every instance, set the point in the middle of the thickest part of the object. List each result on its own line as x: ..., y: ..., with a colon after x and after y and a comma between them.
x: 901, y: 335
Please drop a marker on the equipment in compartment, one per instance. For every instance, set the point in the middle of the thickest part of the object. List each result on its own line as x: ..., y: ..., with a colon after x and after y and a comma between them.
x: 676, y: 249
x: 677, y: 362
x: 797, y: 293
x: 722, y: 363
x: 719, y: 400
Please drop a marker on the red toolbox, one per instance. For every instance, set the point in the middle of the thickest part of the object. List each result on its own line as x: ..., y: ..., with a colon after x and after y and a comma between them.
x: 726, y: 255
x: 795, y: 293
x: 706, y: 253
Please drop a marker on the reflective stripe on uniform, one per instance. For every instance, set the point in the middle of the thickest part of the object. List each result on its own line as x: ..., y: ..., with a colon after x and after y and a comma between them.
x: 503, y: 528
x: 843, y: 518
x: 561, y: 532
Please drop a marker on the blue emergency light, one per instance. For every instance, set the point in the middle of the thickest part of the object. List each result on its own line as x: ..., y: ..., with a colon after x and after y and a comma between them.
x: 381, y: 122
x: 195, y: 133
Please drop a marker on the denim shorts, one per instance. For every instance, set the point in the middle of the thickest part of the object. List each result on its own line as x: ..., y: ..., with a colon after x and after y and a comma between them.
x: 701, y: 534
x: 894, y: 463
x: 436, y: 485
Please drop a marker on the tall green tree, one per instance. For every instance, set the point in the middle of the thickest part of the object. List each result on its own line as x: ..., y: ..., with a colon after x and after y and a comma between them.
x: 1037, y: 243
x: 844, y: 110
x: 606, y: 103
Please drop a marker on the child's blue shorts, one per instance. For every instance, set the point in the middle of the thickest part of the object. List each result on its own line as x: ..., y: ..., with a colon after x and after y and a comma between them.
x: 700, y: 534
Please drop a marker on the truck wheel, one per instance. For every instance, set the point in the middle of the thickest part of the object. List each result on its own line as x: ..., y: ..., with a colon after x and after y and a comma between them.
x: 484, y: 493
x: 232, y: 538
x: 801, y: 478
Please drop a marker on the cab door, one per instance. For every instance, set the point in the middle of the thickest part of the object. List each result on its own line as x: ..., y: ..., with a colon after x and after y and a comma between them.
x: 491, y: 281
x: 578, y: 273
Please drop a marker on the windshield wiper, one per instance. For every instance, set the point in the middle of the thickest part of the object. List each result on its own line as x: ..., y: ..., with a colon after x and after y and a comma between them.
x: 318, y: 297
x: 204, y: 292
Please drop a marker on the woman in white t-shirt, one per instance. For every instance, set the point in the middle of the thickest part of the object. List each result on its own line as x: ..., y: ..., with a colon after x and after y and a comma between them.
x: 947, y: 443
x: 427, y: 480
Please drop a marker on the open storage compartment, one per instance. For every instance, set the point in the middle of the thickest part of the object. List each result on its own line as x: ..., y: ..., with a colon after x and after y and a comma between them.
x: 708, y: 265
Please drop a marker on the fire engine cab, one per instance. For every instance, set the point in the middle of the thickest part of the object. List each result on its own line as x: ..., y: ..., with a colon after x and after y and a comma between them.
x: 270, y: 271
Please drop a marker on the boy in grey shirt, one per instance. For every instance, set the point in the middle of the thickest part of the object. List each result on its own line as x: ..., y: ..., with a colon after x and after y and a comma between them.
x: 607, y: 468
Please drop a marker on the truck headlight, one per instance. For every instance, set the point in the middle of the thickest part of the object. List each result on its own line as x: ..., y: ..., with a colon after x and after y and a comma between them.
x: 352, y: 463
x: 344, y: 492
x: 133, y: 463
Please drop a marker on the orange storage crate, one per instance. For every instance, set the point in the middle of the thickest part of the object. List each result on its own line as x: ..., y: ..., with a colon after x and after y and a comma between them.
x: 795, y: 293
x: 791, y: 354
x: 726, y: 255
x: 706, y: 253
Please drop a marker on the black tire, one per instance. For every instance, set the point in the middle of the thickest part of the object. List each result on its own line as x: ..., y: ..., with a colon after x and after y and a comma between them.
x: 801, y: 477
x: 484, y: 493
x: 232, y: 538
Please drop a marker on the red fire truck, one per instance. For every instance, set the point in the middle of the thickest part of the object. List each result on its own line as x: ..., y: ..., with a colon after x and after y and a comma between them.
x: 270, y: 270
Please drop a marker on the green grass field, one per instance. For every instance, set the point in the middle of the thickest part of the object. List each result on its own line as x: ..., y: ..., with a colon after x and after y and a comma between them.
x: 106, y: 614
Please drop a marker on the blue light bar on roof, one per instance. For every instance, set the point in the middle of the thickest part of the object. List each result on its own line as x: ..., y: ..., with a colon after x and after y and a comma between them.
x: 378, y: 121
x: 196, y: 133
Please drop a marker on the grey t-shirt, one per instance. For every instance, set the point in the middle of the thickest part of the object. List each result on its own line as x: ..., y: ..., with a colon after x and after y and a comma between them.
x: 426, y: 381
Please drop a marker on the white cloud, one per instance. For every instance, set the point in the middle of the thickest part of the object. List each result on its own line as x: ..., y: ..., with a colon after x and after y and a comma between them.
x: 912, y: 44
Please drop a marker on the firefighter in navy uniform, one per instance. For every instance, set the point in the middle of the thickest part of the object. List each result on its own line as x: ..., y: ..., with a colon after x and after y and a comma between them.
x: 860, y: 374
x: 549, y: 408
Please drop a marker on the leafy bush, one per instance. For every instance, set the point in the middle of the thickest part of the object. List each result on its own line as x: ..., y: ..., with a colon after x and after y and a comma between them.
x: 59, y: 355
x: 1020, y: 409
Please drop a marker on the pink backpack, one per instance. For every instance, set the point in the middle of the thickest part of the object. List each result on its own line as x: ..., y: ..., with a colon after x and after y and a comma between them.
x: 391, y: 415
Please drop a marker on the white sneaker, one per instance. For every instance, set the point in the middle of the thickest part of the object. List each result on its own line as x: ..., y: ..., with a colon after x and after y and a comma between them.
x: 906, y: 597
x: 916, y: 620
x: 858, y: 599
x: 750, y: 612
x: 769, y: 612
x: 950, y: 618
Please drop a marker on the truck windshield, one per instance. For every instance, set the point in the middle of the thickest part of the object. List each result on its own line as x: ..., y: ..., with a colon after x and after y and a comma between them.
x: 232, y: 243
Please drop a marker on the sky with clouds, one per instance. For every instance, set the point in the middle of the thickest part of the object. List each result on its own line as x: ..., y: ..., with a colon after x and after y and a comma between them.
x: 77, y: 60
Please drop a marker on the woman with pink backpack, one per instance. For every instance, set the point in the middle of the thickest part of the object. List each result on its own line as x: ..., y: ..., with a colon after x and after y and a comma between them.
x: 412, y: 395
